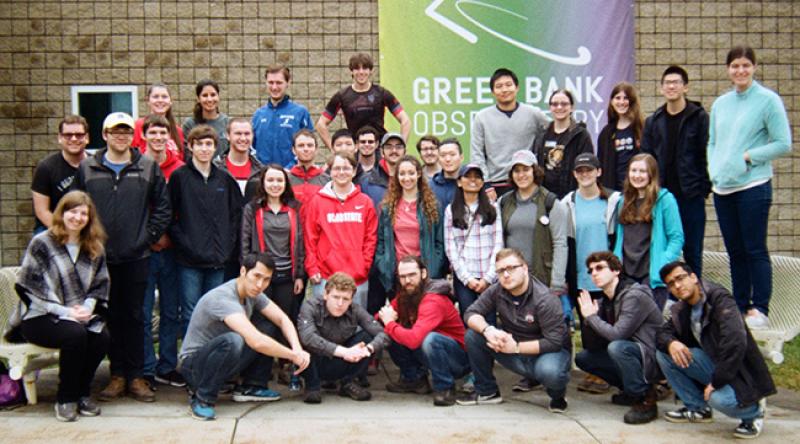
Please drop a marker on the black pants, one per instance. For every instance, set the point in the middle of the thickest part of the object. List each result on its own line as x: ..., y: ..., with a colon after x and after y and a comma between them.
x: 80, y: 352
x: 333, y: 368
x: 126, y: 318
x: 281, y: 292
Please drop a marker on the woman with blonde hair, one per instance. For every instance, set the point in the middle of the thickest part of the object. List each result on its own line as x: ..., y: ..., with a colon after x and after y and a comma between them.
x: 64, y: 284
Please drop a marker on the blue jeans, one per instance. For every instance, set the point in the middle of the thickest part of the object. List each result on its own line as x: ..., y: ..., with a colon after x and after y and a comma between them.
x: 620, y: 365
x: 465, y: 298
x: 550, y: 369
x: 194, y: 283
x: 359, y: 298
x: 693, y: 220
x: 333, y: 368
x: 164, y: 275
x: 441, y: 354
x: 743, y: 218
x: 690, y: 382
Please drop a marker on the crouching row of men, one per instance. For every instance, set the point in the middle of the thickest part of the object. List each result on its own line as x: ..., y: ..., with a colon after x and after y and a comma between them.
x: 704, y: 348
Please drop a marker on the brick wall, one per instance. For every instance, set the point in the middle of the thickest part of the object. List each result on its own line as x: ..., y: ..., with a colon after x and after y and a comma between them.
x: 46, y: 47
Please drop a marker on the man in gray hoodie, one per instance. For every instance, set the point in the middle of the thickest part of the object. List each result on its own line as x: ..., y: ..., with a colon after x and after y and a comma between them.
x: 628, y: 319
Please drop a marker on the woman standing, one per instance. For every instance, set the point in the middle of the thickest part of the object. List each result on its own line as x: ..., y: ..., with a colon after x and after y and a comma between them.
x: 473, y: 235
x: 159, y: 101
x: 409, y: 224
x: 621, y: 138
x: 748, y: 129
x: 206, y: 111
x: 64, y: 285
x: 649, y: 230
x: 562, y: 142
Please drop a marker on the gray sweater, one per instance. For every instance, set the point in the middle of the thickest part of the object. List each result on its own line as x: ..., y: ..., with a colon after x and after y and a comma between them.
x: 496, y: 137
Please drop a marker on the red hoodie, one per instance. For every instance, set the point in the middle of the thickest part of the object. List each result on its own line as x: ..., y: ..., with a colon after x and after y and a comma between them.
x: 171, y: 164
x: 340, y: 235
x: 307, y: 182
x: 141, y: 144
x: 436, y: 313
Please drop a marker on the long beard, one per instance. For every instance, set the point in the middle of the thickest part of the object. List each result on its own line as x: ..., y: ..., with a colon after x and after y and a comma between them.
x: 408, y: 304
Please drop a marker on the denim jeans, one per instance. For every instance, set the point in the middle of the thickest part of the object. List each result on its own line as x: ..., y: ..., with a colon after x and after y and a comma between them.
x: 620, y: 365
x: 440, y: 354
x: 193, y: 284
x: 163, y: 274
x: 333, y: 368
x: 359, y: 298
x: 550, y: 369
x: 465, y: 298
x: 690, y: 382
x: 693, y: 221
x: 743, y: 219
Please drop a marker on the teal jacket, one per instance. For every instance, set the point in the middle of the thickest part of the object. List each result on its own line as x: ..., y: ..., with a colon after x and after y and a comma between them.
x: 753, y: 122
x: 431, y: 246
x: 666, y: 237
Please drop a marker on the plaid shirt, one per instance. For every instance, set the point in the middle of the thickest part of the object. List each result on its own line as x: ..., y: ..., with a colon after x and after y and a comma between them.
x: 471, y: 251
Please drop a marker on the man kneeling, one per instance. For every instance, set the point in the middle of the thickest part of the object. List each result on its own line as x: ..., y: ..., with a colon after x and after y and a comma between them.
x: 535, y: 342
x: 628, y: 319
x: 427, y: 332
x: 329, y: 328
x: 222, y: 343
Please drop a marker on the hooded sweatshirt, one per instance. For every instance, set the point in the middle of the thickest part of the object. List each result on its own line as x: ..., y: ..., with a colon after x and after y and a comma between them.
x: 436, y: 313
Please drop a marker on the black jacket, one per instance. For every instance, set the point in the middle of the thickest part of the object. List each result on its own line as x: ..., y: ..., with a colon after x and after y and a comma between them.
x: 134, y: 207
x: 206, y: 217
x: 726, y: 340
x: 691, y: 159
x: 607, y: 154
x: 577, y: 141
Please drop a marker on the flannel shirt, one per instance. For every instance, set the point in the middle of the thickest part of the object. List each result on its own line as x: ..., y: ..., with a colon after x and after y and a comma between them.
x: 472, y: 251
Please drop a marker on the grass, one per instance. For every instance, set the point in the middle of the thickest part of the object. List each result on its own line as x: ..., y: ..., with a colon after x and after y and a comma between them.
x: 787, y: 375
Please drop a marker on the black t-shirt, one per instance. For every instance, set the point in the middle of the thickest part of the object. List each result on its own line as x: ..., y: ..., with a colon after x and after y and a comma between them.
x: 554, y: 163
x: 53, y: 177
x: 636, y: 249
x: 363, y: 108
x: 671, y: 153
x: 625, y: 145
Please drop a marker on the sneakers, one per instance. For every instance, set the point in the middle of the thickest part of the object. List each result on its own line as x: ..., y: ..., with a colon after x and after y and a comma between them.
x: 469, y: 384
x: 749, y: 429
x: 140, y: 390
x: 87, y: 407
x: 354, y: 392
x: 246, y: 393
x: 475, y: 399
x: 294, y: 384
x: 644, y: 410
x: 151, y: 381
x: 444, y: 398
x: 313, y: 397
x: 172, y: 378
x: 683, y: 414
x: 593, y: 384
x: 66, y: 412
x: 420, y: 386
x: 114, y: 389
x: 558, y: 405
x: 623, y: 398
x: 756, y: 320
x: 200, y: 410
x: 524, y: 385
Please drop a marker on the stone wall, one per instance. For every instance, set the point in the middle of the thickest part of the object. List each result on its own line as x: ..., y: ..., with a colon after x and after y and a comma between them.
x: 48, y: 46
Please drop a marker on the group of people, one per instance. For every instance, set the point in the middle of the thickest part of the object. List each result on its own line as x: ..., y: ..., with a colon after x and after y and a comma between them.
x: 230, y: 219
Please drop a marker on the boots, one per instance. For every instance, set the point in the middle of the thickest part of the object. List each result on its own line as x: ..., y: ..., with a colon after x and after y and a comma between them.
x: 644, y: 410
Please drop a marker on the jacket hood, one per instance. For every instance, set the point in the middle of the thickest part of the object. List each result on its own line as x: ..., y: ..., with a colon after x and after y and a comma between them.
x: 439, y: 286
x: 171, y: 160
x: 327, y: 191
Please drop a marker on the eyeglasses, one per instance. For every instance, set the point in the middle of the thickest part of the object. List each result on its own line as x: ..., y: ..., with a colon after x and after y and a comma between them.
x: 679, y: 278
x: 393, y: 146
x: 73, y: 135
x: 560, y: 104
x: 120, y: 132
x: 508, y: 270
x: 598, y: 268
x: 345, y: 169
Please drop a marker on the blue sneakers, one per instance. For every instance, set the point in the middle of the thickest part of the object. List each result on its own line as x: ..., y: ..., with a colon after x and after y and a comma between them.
x: 200, y: 410
x: 245, y: 393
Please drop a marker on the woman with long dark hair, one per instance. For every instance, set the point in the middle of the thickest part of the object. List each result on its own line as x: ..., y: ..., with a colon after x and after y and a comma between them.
x: 159, y: 101
x: 621, y: 138
x: 206, y: 111
x: 64, y: 285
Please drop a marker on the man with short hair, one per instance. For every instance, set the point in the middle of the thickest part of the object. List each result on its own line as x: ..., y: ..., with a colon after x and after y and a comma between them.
x: 500, y: 130
x: 367, y: 142
x: 341, y: 337
x: 222, y: 342
x: 55, y: 174
x: 306, y: 178
x: 428, y: 149
x: 427, y: 334
x: 343, y: 142
x: 275, y: 123
x: 239, y: 159
x: 677, y: 135
x: 627, y: 320
x: 534, y: 341
x: 375, y: 182
x: 362, y: 103
x: 709, y: 356
x: 132, y: 204
x: 445, y: 182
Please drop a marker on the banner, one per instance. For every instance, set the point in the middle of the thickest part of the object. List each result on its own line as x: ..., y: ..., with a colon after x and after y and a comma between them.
x: 437, y: 56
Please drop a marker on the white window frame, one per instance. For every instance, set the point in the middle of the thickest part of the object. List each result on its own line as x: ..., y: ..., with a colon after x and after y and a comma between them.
x: 75, y: 92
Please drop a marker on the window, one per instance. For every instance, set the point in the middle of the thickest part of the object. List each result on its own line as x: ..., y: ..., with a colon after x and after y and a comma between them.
x: 94, y: 103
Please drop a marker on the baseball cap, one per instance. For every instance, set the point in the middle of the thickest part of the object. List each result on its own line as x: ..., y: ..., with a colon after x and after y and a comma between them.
x: 117, y: 119
x: 524, y: 157
x: 469, y: 167
x: 586, y: 160
x: 388, y: 136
